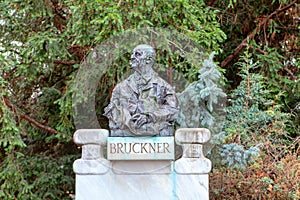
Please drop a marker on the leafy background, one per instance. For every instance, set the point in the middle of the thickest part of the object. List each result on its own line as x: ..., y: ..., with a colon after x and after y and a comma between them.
x: 43, y: 42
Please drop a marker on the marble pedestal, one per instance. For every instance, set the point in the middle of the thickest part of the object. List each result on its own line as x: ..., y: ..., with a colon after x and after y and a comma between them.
x: 98, y: 178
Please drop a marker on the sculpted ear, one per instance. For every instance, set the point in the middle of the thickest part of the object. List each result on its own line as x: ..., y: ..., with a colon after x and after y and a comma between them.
x: 149, y: 59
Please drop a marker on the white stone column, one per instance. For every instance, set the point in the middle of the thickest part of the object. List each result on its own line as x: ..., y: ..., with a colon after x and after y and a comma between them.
x: 92, y: 142
x: 193, y: 168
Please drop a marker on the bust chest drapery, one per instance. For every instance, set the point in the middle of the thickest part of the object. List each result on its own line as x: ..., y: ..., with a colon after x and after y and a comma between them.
x: 146, y: 95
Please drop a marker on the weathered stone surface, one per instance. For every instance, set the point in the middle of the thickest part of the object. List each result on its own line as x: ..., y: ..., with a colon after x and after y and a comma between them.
x: 193, y: 166
x: 193, y: 160
x: 192, y: 151
x: 186, y: 178
x: 140, y: 148
x: 192, y: 135
x: 92, y: 161
x: 142, y: 167
x: 124, y: 187
x: 91, y: 152
x: 91, y: 136
x: 111, y: 186
x: 94, y: 167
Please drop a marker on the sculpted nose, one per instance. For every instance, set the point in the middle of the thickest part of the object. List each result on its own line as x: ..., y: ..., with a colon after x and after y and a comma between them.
x: 132, y: 57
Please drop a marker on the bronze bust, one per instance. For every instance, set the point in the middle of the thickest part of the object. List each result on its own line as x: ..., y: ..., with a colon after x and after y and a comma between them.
x: 143, y: 104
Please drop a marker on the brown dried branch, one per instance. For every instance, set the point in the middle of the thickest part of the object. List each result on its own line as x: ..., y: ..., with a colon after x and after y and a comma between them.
x: 290, y: 73
x: 29, y: 119
x: 64, y: 62
x: 261, y: 25
x: 37, y: 124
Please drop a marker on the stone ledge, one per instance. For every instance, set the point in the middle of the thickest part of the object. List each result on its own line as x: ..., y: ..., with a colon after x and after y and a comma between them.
x: 192, y: 166
x: 192, y: 135
x: 91, y: 136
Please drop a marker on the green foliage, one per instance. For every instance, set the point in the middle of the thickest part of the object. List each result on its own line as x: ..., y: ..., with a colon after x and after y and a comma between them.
x: 13, y: 184
x: 282, y: 82
x: 49, y: 177
x: 65, y: 125
x: 252, y: 120
x: 42, y: 44
x: 104, y: 19
x: 200, y: 98
x: 10, y: 137
x: 236, y: 157
x: 36, y: 177
x: 108, y: 18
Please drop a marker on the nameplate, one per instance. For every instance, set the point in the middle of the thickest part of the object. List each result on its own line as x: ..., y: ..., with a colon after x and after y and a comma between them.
x: 140, y: 148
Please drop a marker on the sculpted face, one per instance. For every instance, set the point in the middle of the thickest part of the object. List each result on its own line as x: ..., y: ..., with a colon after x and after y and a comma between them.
x: 142, y: 55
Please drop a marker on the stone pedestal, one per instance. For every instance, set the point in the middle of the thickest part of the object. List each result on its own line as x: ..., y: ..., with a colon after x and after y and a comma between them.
x: 158, y: 179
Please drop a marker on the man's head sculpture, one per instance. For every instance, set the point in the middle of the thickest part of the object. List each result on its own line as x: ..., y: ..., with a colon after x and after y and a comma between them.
x: 143, y: 104
x: 143, y: 57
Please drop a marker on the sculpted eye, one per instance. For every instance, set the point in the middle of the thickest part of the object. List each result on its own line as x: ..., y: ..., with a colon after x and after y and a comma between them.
x: 138, y: 54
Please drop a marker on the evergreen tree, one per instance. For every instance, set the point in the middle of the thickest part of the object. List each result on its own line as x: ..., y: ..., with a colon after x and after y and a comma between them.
x: 199, y: 98
x: 251, y: 119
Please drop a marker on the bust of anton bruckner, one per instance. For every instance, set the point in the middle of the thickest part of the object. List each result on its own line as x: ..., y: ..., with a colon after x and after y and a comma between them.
x: 143, y: 104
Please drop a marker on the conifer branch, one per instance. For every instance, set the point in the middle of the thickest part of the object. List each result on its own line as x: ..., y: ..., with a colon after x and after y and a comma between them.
x: 29, y: 119
x: 261, y: 25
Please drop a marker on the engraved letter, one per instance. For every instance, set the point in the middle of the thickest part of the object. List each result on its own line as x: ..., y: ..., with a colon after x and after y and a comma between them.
x: 133, y: 149
x: 119, y: 149
x: 143, y: 145
x: 152, y: 147
x: 113, y: 148
x: 127, y: 147
x: 159, y: 147
x: 166, y: 147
